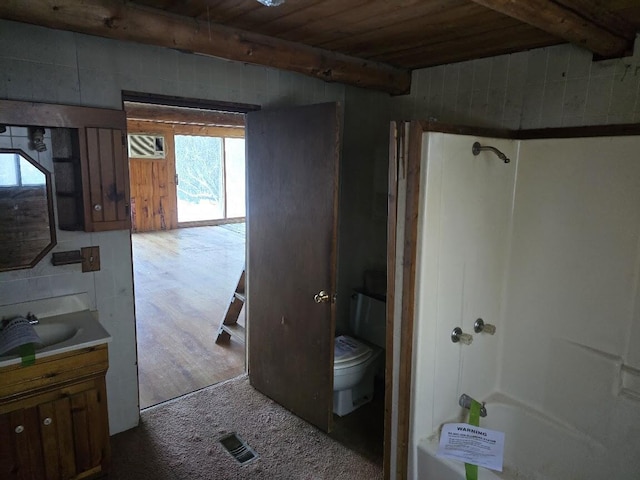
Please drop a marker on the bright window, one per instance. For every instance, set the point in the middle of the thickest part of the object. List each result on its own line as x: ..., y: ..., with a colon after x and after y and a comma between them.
x: 211, y: 178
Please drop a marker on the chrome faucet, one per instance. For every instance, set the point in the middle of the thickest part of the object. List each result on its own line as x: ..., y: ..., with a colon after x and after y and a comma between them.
x: 465, y: 401
x: 32, y: 319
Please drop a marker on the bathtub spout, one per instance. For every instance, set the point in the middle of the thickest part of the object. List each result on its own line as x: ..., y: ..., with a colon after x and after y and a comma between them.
x: 465, y: 401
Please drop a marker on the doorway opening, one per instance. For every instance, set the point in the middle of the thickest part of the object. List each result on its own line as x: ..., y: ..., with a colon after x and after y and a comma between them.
x: 282, y: 183
x: 188, y: 244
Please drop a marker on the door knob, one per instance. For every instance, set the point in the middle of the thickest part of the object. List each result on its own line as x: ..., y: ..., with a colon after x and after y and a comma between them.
x: 322, y: 297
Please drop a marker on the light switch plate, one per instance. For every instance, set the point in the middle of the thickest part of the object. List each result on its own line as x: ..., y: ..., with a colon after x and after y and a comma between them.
x: 90, y: 259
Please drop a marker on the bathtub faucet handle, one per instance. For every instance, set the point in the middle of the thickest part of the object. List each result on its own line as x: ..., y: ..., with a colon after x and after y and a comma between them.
x: 480, y: 326
x: 458, y: 336
x: 465, y: 401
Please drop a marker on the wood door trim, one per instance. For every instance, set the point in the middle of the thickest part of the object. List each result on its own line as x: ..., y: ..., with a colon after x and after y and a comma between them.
x: 164, y: 113
x: 187, y: 102
x: 151, y: 127
x: 404, y: 161
x: 622, y: 129
x: 392, y: 224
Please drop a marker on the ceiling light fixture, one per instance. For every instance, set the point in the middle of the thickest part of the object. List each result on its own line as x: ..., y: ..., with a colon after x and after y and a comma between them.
x: 271, y: 3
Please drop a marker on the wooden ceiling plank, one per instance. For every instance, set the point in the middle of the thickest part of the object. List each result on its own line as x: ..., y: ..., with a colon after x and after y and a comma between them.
x: 365, y: 18
x: 227, y: 11
x: 300, y: 19
x: 597, y: 14
x: 440, y: 38
x: 564, y: 23
x: 422, y: 31
x: 258, y: 20
x: 324, y: 12
x: 149, y: 112
x: 498, y: 42
x: 224, y: 11
x: 113, y: 19
x: 246, y: 14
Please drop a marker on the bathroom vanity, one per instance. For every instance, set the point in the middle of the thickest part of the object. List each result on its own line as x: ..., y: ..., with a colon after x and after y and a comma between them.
x: 53, y: 413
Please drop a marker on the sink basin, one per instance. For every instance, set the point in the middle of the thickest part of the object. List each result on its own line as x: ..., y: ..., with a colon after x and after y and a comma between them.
x: 52, y: 333
x: 62, y: 333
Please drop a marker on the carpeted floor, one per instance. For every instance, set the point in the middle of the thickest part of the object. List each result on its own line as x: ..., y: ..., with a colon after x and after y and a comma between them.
x: 179, y: 440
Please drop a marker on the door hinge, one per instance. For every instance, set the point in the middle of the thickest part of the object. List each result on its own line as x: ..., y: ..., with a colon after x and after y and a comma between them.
x: 176, y: 179
x: 124, y: 140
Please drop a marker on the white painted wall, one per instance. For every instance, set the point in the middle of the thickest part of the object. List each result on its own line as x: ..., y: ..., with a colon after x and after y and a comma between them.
x: 546, y: 87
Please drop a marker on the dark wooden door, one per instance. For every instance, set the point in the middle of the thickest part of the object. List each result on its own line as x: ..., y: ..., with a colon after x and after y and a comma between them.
x: 292, y: 180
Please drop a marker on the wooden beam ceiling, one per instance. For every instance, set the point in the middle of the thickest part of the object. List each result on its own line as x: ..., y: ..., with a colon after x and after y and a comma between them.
x: 114, y: 19
x: 582, y: 22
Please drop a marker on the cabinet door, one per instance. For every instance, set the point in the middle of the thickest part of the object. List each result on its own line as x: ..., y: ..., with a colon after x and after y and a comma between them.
x: 56, y: 434
x: 105, y: 179
x: 90, y: 431
x: 64, y: 439
x: 20, y: 449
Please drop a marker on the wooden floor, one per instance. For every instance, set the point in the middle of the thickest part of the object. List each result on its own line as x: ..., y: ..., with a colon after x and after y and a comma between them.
x: 184, y: 279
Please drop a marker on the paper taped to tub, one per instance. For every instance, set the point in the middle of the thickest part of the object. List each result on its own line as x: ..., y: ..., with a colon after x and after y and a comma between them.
x: 474, y: 445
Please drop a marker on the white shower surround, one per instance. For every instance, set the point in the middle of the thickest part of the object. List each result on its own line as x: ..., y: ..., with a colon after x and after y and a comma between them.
x: 547, y: 248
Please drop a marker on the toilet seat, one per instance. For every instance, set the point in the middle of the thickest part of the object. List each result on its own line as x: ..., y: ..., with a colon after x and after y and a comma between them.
x: 349, y: 352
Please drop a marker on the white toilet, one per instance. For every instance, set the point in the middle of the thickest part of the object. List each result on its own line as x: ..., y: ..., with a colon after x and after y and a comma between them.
x: 358, y: 358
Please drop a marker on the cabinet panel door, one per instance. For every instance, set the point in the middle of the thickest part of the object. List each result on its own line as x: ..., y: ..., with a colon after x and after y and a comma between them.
x: 9, y: 461
x: 49, y: 436
x: 66, y: 451
x: 105, y: 179
x: 57, y: 439
x: 90, y: 434
x: 20, y: 449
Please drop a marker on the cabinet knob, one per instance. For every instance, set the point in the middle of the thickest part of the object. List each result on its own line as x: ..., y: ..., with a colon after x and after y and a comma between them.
x: 97, y: 207
x: 47, y: 421
x: 19, y: 429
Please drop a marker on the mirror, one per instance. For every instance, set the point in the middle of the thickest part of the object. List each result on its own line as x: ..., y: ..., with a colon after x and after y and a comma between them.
x: 27, y: 228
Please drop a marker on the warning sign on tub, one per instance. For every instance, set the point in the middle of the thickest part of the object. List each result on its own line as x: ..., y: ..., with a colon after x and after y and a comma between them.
x: 474, y: 445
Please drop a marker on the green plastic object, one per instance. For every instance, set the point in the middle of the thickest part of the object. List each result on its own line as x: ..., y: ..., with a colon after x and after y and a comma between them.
x: 474, y: 419
x: 28, y: 354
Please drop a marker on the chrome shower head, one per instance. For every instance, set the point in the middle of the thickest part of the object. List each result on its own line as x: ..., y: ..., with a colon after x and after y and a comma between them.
x: 477, y: 148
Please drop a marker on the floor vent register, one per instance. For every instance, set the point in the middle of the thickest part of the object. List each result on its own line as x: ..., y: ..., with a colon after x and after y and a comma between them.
x: 238, y: 448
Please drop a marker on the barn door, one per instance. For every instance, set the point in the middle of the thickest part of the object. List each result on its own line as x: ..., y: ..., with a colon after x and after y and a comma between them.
x: 292, y: 179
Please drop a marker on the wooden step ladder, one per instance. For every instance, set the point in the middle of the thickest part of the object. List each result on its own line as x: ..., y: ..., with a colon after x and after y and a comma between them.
x: 229, y: 326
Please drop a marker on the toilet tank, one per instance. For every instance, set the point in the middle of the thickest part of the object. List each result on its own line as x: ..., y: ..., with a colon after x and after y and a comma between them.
x: 368, y: 318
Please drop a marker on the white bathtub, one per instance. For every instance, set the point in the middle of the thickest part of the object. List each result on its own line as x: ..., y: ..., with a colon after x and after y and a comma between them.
x: 536, y: 448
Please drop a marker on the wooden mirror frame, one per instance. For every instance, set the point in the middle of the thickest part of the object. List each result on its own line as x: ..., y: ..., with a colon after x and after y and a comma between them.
x: 52, y: 225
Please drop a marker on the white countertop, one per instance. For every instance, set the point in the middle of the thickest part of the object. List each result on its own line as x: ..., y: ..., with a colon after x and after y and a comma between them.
x: 89, y: 331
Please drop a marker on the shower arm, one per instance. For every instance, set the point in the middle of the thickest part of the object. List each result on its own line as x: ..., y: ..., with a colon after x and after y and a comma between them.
x: 477, y: 148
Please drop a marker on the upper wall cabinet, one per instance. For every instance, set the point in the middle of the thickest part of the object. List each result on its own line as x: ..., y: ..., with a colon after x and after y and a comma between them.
x: 105, y: 179
x: 89, y: 160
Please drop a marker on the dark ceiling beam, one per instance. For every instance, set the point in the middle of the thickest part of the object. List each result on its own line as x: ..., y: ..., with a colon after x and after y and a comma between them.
x: 582, y: 22
x: 123, y: 21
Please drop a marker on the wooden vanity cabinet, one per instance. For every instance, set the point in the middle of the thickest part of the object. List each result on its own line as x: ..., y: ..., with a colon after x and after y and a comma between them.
x: 53, y: 417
